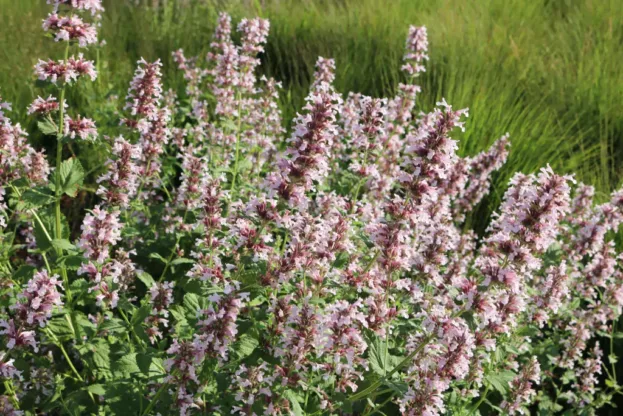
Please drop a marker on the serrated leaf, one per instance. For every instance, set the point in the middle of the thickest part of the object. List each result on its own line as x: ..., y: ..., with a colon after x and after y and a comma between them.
x: 24, y: 273
x: 126, y: 365
x: 79, y: 286
x: 37, y: 197
x: 500, y: 380
x: 146, y: 279
x: 72, y: 262
x: 84, y: 324
x: 47, y: 127
x: 149, y: 365
x: 141, y: 313
x: 191, y: 302
x: 245, y: 345
x: 113, y: 326
x: 101, y: 355
x: 61, y: 329
x: 62, y: 244
x: 72, y: 175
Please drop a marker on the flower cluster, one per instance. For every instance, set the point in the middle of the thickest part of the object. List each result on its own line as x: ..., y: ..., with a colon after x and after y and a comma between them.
x: 65, y: 71
x: 83, y: 128
x: 33, y: 309
x: 70, y: 28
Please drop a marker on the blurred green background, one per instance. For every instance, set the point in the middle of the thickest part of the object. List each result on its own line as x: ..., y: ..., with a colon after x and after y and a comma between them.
x: 547, y: 71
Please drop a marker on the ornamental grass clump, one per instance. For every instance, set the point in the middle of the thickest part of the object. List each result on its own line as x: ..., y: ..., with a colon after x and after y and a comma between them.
x: 231, y: 266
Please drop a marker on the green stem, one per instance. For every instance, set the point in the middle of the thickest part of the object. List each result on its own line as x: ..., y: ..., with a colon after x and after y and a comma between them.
x: 59, y: 154
x: 612, y: 363
x: 8, y: 385
x: 177, y: 241
x: 127, y: 321
x: 372, y: 260
x: 154, y: 400
x: 482, y: 399
x: 57, y: 203
x: 60, y: 345
x: 401, y: 364
x: 233, y: 180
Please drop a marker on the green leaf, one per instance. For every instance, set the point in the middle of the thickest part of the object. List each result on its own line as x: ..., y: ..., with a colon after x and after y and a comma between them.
x: 79, y: 287
x: 72, y: 262
x: 101, y: 355
x: 230, y: 125
x: 191, y: 302
x: 158, y: 257
x: 126, y: 365
x: 60, y: 327
x: 182, y: 261
x: 44, y: 230
x: 47, y: 127
x: 113, y: 326
x: 380, y: 360
x: 62, y: 244
x: 98, y: 389
x: 84, y: 324
x: 500, y: 380
x: 37, y: 197
x: 294, y: 401
x: 150, y: 365
x: 146, y: 279
x: 246, y: 344
x: 72, y: 175
x: 139, y: 316
x: 24, y: 273
x: 377, y: 356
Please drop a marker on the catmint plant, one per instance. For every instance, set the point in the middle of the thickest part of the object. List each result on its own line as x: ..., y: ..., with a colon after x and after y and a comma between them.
x: 229, y: 264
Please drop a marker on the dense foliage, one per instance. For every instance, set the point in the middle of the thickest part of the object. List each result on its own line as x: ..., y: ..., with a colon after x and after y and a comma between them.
x: 232, y: 267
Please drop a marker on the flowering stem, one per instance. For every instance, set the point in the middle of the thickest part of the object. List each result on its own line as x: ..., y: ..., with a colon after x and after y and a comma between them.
x: 59, y: 155
x: 57, y: 190
x: 233, y: 180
